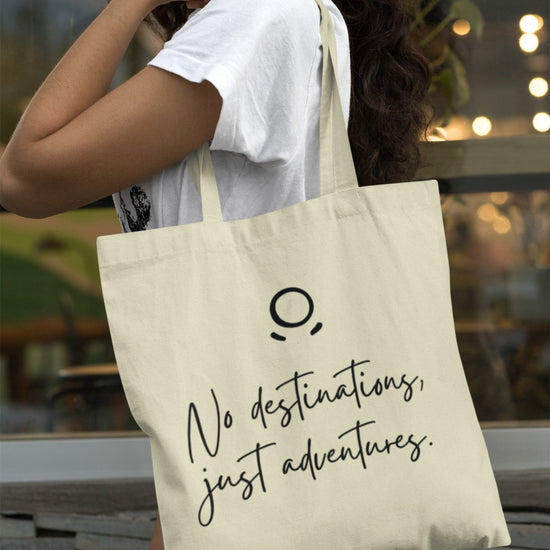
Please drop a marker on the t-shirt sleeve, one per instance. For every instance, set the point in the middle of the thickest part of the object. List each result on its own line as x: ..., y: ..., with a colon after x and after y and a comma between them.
x: 259, y: 55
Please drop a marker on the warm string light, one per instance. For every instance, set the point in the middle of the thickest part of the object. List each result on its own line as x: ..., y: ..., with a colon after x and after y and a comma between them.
x: 541, y: 122
x: 461, y: 27
x: 488, y: 213
x: 529, y: 42
x: 499, y: 197
x: 482, y: 126
x: 538, y: 87
x: 530, y: 24
x: 502, y: 225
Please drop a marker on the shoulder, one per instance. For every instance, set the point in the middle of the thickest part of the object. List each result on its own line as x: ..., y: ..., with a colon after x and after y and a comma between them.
x: 260, y: 7
x: 252, y: 15
x: 239, y: 35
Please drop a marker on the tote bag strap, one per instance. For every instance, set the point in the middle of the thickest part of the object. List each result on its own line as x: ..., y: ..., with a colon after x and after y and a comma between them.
x: 337, y: 171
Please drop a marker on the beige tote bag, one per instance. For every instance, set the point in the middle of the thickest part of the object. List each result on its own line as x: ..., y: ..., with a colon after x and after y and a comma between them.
x: 297, y: 372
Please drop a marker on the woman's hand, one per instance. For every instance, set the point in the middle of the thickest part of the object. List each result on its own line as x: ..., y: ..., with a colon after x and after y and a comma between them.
x: 150, y: 5
x: 196, y: 4
x: 191, y: 4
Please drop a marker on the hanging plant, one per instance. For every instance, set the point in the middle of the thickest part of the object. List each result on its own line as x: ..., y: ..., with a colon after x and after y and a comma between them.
x: 432, y: 27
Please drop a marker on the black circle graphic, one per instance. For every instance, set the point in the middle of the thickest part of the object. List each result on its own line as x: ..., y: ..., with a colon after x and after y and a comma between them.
x: 275, y: 315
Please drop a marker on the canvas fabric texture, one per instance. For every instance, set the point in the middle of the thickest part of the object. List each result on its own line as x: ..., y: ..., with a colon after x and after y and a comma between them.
x: 297, y: 372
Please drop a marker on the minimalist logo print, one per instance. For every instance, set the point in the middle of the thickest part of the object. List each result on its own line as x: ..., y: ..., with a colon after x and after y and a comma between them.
x: 299, y: 294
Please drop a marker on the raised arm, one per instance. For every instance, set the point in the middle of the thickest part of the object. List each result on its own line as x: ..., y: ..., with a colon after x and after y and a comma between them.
x: 77, y: 143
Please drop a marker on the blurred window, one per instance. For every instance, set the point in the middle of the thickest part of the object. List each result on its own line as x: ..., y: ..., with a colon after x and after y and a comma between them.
x: 57, y: 367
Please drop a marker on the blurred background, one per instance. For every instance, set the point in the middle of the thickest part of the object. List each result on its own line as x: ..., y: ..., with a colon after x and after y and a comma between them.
x: 488, y: 147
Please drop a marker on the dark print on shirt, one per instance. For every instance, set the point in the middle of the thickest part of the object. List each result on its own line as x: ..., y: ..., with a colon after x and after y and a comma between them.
x: 142, y: 208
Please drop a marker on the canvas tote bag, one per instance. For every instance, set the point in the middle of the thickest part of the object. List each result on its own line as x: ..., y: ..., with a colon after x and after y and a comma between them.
x: 297, y: 372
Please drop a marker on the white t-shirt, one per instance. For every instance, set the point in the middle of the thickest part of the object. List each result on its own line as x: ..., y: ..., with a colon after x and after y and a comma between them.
x: 265, y: 59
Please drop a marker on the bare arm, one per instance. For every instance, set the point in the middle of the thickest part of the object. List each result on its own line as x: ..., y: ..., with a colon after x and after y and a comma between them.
x: 77, y: 143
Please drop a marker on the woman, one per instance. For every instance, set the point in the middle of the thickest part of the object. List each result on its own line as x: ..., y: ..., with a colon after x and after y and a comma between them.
x: 76, y: 143
x: 245, y: 74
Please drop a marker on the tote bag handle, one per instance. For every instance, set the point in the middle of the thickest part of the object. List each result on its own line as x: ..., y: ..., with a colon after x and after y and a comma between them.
x: 337, y: 171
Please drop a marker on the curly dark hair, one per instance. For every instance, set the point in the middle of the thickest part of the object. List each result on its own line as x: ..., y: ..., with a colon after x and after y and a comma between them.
x: 390, y: 82
x: 168, y: 18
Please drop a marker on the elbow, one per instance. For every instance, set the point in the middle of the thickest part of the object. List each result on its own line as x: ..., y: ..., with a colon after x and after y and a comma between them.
x: 18, y: 194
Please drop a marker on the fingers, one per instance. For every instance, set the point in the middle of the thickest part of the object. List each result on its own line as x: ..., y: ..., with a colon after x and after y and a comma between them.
x: 196, y: 4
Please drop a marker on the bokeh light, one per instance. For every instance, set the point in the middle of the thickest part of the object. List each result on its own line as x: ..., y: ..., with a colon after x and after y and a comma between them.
x: 499, y: 197
x: 482, y: 126
x: 538, y: 87
x: 487, y: 212
x: 461, y: 27
x: 502, y: 225
x: 529, y: 42
x: 531, y: 23
x: 541, y: 122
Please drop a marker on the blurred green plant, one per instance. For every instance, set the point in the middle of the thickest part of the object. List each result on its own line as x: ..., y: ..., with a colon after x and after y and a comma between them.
x: 432, y: 27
